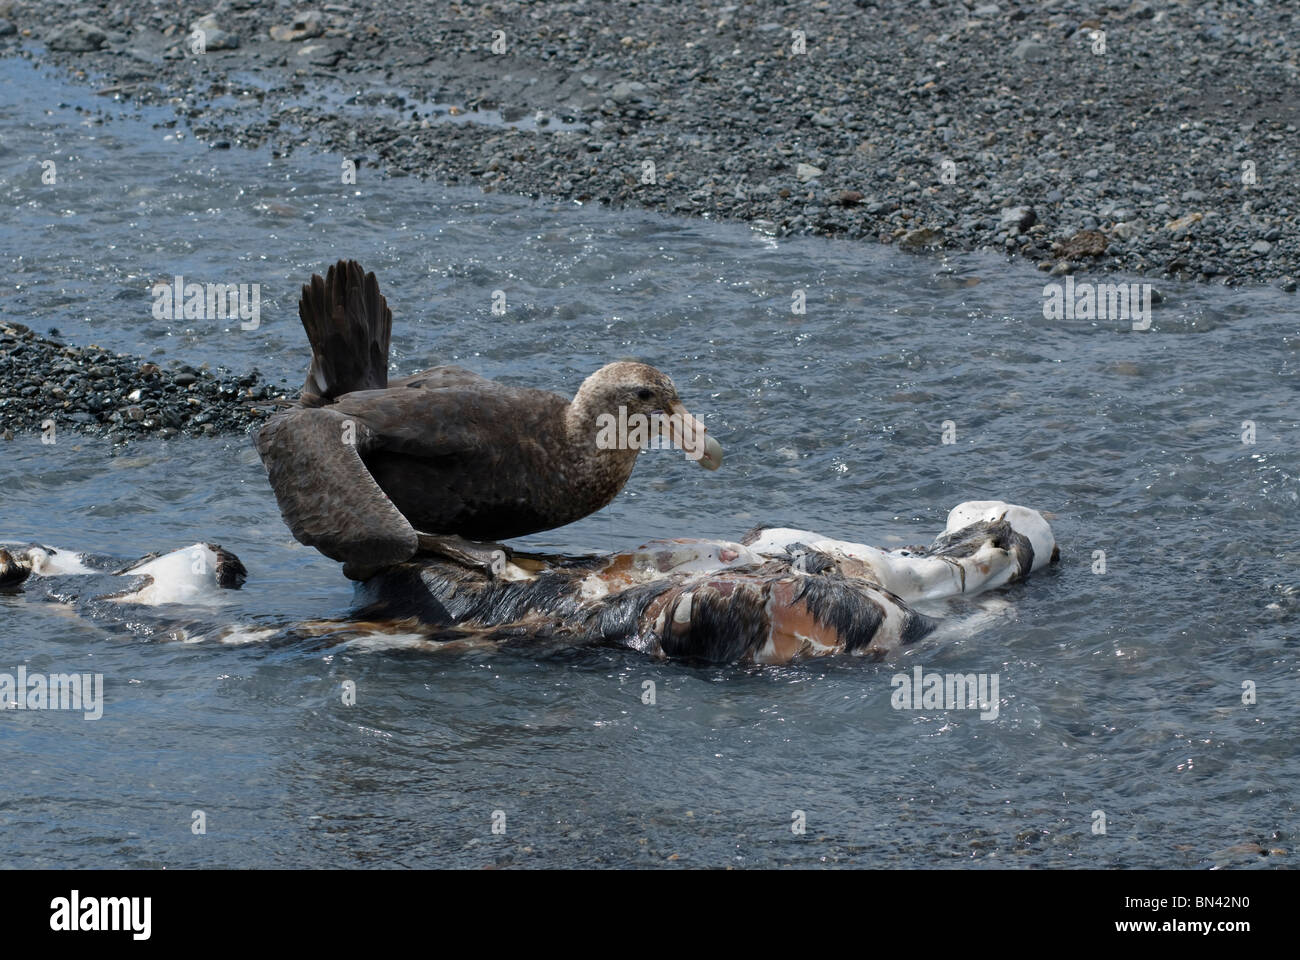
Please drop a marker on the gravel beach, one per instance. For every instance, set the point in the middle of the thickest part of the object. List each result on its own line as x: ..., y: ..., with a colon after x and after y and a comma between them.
x: 46, y: 385
x: 1158, y: 138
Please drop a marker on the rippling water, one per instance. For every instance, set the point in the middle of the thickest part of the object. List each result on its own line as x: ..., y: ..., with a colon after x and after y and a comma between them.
x: 1121, y: 692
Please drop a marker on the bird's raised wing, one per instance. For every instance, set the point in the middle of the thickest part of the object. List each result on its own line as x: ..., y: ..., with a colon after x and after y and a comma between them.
x: 326, y: 495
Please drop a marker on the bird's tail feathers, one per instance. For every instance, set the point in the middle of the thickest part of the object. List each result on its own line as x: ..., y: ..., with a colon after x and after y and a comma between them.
x: 349, y: 325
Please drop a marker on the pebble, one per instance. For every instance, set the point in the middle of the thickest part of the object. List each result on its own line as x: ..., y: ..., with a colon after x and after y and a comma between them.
x: 1019, y: 219
x: 76, y: 37
x: 1029, y: 49
x: 626, y: 91
x: 304, y: 26
x: 920, y: 238
x: 214, y: 37
x: 1085, y: 243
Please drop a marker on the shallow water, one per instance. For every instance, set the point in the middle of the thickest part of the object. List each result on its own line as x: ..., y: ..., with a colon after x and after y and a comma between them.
x: 1120, y: 692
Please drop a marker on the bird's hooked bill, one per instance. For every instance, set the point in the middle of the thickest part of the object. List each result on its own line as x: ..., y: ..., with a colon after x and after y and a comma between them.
x: 690, y: 435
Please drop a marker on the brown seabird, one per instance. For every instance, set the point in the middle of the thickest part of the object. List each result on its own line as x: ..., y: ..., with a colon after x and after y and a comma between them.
x: 369, y: 471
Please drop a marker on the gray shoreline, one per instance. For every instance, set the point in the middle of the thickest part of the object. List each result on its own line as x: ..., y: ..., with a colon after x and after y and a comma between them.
x: 999, y: 126
x: 1127, y: 152
x: 47, y: 386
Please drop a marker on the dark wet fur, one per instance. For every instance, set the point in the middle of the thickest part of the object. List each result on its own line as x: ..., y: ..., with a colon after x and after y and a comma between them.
x: 967, y: 542
x: 723, y: 627
x: 620, y: 622
x: 917, y: 627
x: 811, y: 561
x: 728, y: 621
x: 13, y: 570
x: 837, y: 604
x: 445, y: 593
x: 1024, y: 551
x: 231, y: 573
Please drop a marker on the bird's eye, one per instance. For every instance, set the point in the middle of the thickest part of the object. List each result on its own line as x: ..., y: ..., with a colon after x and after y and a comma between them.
x: 644, y: 393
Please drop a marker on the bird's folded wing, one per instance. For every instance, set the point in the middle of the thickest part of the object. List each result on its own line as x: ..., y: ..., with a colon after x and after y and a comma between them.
x: 326, y: 494
x: 485, y: 420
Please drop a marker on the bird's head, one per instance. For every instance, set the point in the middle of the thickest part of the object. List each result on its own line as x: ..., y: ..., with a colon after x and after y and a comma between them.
x: 632, y: 406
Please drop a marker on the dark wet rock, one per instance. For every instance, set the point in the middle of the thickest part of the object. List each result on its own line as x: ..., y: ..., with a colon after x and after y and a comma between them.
x: 320, y: 54
x: 304, y: 26
x: 1126, y: 229
x: 1030, y: 49
x: 76, y: 37
x: 214, y: 37
x: 626, y: 91
x: 1018, y: 219
x: 7, y: 29
x: 921, y: 238
x: 1085, y: 243
x: 1181, y: 225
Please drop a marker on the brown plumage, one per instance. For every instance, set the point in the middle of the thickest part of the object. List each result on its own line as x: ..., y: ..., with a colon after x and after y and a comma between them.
x: 362, y: 467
